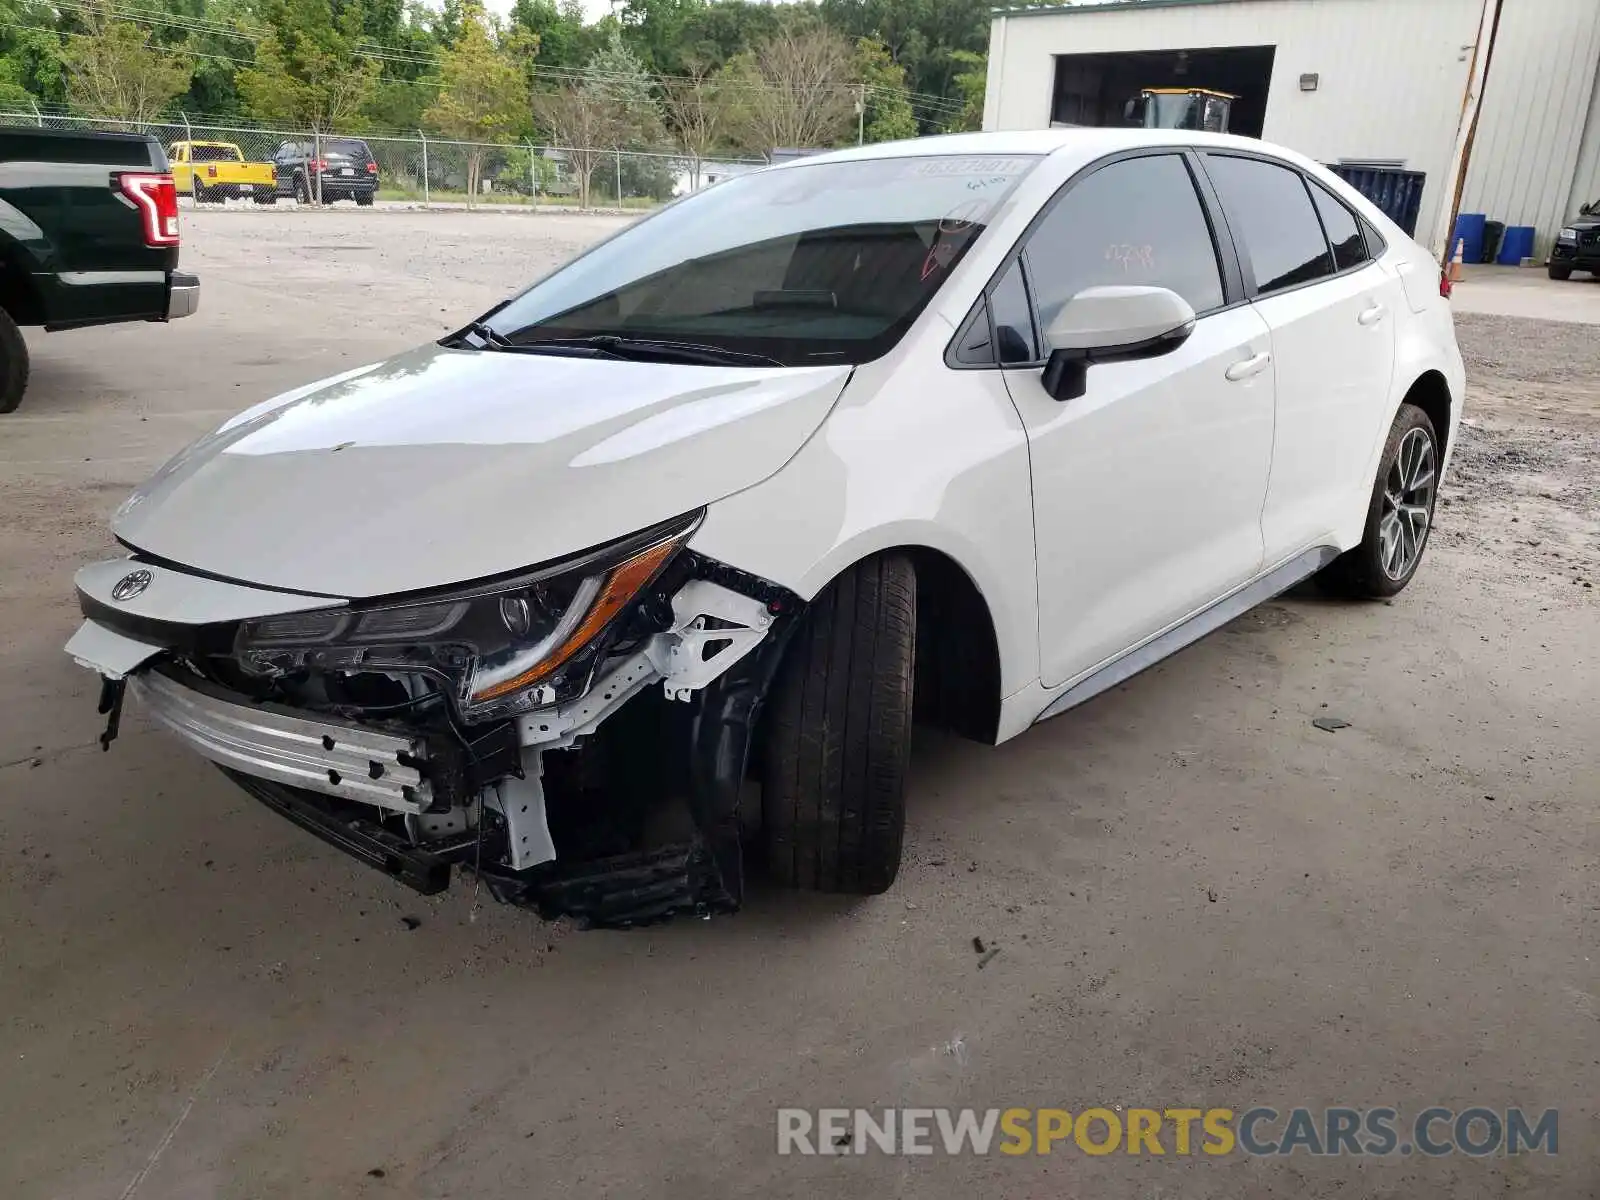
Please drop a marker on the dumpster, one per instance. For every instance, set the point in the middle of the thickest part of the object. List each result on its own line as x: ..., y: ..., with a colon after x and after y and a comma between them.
x: 1398, y: 193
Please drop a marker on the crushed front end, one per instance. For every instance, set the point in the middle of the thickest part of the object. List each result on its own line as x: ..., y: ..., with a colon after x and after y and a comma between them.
x: 510, y: 727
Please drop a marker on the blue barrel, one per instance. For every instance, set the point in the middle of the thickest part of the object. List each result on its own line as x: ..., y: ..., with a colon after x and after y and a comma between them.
x: 1516, y: 245
x: 1469, y: 232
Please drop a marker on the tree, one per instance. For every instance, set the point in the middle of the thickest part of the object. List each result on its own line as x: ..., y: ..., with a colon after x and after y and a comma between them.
x: 696, y: 112
x: 115, y: 70
x: 307, y: 70
x: 971, y: 86
x: 888, y: 114
x: 482, y: 91
x: 581, y: 121
x: 618, y: 73
x: 796, y: 89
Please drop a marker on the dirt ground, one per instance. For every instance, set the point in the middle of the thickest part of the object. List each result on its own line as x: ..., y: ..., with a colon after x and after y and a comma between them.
x: 1197, y: 897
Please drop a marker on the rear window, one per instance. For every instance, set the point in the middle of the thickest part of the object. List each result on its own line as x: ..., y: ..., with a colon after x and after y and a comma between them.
x: 348, y: 147
x: 214, y: 154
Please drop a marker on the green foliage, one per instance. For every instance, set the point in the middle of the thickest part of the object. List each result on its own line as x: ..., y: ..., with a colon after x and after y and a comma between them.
x: 715, y: 75
x: 883, y: 92
x: 483, y: 93
x: 307, y: 71
x: 116, y: 69
x: 970, y: 86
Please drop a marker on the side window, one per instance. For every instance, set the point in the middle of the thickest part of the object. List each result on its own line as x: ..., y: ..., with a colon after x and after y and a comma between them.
x: 1375, y: 243
x: 1344, y: 235
x: 1013, y: 319
x: 1137, y: 221
x: 1270, y: 214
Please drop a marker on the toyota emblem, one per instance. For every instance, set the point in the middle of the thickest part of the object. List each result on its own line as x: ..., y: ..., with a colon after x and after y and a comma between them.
x: 131, y: 585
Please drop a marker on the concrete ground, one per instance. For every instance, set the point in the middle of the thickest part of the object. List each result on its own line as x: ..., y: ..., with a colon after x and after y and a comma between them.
x: 1528, y: 292
x: 1197, y: 898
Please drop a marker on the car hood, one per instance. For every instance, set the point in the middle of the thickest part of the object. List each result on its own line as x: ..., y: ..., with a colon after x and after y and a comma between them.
x: 445, y: 465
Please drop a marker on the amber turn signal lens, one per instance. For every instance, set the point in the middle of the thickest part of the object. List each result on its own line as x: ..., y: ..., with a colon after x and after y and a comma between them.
x: 620, y: 587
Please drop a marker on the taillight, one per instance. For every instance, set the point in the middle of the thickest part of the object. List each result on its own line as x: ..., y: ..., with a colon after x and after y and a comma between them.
x: 318, y: 165
x: 1445, y: 286
x: 156, y: 198
x: 372, y: 168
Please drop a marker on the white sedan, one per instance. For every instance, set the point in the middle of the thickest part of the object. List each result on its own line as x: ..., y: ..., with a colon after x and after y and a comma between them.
x: 648, y: 571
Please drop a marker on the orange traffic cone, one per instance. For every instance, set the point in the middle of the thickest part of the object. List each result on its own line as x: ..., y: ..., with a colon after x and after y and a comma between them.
x: 1453, y: 273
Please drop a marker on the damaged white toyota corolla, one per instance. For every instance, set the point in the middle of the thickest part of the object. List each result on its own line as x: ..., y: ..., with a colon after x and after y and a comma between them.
x: 649, y: 570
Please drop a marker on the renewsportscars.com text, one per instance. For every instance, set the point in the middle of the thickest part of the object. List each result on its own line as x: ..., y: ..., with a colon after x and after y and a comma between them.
x: 1259, y: 1131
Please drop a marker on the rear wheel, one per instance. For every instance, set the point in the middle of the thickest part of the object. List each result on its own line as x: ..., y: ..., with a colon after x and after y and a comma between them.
x: 13, y: 364
x: 364, y: 199
x: 265, y: 197
x: 1399, y: 515
x: 838, y: 735
x: 302, y: 190
x: 1556, y: 272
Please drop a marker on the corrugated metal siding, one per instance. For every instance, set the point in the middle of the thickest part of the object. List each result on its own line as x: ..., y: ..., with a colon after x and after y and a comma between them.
x: 1586, y: 179
x: 1535, y: 124
x: 1391, y: 72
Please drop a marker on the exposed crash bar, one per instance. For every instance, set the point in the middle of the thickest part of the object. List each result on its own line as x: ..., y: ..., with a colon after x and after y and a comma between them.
x: 328, y: 756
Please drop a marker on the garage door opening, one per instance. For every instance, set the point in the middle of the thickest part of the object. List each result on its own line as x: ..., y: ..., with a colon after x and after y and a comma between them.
x: 1094, y: 89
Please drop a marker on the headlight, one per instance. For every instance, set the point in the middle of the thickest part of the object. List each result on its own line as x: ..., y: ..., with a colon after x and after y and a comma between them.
x: 498, y: 648
x: 1567, y: 235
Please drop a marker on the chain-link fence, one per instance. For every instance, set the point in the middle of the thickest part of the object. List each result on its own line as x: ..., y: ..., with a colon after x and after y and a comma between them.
x: 431, y: 171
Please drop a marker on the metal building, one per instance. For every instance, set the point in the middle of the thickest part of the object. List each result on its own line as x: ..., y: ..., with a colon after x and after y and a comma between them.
x: 1366, y: 83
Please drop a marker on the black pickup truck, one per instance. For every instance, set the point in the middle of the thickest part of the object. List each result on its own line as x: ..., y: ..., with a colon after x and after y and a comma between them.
x: 88, y: 236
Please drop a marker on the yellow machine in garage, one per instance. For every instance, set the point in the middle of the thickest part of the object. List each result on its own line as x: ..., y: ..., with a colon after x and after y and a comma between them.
x: 1181, y: 108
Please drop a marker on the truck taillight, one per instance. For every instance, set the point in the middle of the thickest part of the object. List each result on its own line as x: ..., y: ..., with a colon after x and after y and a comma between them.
x: 319, y: 164
x: 156, y: 198
x: 372, y: 168
x: 1445, y: 285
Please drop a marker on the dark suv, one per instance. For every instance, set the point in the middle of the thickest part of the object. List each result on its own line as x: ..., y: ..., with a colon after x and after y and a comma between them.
x: 1577, y: 246
x: 345, y: 171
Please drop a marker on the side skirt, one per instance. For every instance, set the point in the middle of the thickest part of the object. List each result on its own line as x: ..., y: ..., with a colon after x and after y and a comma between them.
x: 1207, y: 620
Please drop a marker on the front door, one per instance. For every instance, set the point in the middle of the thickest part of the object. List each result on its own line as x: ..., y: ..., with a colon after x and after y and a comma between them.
x: 1147, y: 489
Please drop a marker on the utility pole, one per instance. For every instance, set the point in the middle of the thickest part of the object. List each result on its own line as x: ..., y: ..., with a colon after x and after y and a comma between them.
x: 1455, y: 178
x: 424, y: 138
x: 861, y: 113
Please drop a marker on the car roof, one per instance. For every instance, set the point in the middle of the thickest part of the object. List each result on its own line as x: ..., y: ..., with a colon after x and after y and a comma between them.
x: 1087, y: 142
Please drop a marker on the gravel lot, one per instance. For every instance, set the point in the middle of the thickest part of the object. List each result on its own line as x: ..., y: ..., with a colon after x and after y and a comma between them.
x: 1198, y: 898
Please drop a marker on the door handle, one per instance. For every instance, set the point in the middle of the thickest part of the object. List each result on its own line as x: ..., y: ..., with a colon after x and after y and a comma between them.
x: 1372, y: 315
x: 1249, y: 367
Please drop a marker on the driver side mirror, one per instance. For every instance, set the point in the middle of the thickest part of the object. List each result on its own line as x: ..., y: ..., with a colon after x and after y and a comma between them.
x: 1112, y: 324
x: 1586, y: 210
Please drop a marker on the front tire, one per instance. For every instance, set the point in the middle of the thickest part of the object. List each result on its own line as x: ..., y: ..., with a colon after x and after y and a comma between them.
x: 13, y: 364
x: 1399, y: 516
x: 1556, y: 272
x: 838, y: 736
x: 302, y: 190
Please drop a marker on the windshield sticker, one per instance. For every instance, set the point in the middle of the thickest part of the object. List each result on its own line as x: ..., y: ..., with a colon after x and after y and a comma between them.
x: 977, y: 164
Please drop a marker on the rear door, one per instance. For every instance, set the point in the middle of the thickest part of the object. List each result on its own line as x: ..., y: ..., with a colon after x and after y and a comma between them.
x: 1148, y: 488
x: 1332, y: 312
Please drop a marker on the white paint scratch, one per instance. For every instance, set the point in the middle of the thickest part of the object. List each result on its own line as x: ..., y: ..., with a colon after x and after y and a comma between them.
x: 172, y: 1130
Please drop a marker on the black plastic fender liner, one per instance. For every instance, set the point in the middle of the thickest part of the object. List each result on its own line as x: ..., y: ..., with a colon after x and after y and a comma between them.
x: 722, y: 734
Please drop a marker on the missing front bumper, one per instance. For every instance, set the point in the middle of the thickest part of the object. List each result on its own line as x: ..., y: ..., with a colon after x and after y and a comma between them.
x: 323, y: 754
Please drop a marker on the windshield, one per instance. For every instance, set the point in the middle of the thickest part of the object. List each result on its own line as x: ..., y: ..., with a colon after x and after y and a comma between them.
x: 1170, y: 110
x: 345, y: 147
x: 822, y: 262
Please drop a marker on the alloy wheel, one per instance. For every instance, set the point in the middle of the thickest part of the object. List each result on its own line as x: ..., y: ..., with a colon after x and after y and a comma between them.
x: 1408, y: 492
